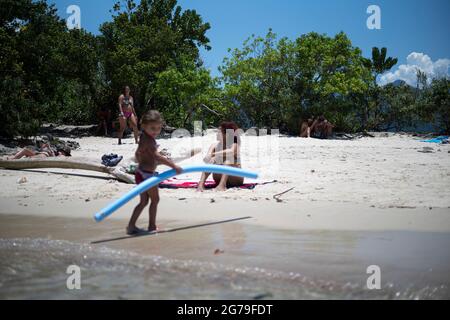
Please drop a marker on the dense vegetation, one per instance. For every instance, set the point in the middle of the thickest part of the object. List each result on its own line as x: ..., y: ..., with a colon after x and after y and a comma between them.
x: 51, y: 74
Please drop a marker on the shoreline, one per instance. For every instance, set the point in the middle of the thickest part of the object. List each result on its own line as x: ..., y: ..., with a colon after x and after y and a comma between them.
x: 288, y: 215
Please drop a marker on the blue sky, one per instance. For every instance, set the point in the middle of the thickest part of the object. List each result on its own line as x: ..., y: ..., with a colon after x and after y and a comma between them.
x: 414, y: 31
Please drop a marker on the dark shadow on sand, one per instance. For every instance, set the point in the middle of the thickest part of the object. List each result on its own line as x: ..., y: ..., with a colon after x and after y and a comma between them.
x: 143, y: 234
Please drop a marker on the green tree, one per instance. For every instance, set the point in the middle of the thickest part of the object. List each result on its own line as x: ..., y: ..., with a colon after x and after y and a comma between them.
x: 188, y: 93
x: 29, y: 63
x: 435, y: 105
x: 144, y: 40
x: 378, y: 65
x: 41, y: 63
x: 277, y: 82
x: 398, y: 108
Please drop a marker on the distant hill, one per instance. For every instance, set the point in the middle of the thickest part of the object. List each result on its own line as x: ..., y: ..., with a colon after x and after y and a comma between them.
x: 398, y: 83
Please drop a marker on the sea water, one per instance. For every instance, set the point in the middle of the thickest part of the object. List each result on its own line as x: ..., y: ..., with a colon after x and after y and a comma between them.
x: 36, y: 269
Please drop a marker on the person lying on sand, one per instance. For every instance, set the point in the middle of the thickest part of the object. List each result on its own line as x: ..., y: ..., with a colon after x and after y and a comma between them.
x: 45, y: 151
x: 226, y: 151
x: 148, y: 157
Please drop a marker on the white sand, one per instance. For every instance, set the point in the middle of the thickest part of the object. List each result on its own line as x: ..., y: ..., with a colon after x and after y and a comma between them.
x: 381, y: 183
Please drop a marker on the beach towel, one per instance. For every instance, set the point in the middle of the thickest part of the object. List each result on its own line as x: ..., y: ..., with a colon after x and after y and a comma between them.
x: 440, y: 139
x: 175, y: 183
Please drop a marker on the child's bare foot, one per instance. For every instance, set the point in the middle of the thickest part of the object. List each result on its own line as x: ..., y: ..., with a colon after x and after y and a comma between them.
x: 200, y: 188
x: 220, y: 188
x: 133, y: 230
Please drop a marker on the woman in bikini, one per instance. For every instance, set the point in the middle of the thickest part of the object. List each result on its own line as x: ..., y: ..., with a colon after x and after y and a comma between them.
x: 44, y: 151
x: 226, y: 151
x: 127, y: 113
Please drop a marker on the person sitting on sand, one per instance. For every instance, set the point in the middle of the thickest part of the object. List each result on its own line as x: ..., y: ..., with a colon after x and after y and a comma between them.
x: 226, y: 151
x: 305, y: 129
x: 321, y: 128
x: 148, y: 157
x: 127, y: 114
x: 44, y: 151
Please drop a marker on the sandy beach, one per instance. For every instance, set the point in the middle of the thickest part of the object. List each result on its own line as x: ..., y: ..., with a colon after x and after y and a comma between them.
x: 354, y: 203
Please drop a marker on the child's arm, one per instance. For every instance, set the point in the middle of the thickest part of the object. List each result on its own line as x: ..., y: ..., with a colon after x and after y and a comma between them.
x: 165, y: 161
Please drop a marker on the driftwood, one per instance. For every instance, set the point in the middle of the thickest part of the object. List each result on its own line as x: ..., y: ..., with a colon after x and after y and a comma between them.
x: 78, y: 163
x: 66, y: 163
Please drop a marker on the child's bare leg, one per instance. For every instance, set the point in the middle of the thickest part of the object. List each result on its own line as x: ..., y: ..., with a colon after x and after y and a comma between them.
x: 153, y: 193
x: 201, y: 183
x: 137, y: 212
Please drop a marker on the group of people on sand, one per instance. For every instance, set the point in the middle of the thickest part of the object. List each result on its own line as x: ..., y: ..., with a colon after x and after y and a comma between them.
x: 225, y: 151
x: 319, y: 128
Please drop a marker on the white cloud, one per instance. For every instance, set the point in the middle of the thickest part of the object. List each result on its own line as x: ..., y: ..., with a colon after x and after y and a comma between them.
x: 408, y: 72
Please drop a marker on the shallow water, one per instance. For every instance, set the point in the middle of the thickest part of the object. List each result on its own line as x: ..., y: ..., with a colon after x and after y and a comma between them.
x: 36, y: 269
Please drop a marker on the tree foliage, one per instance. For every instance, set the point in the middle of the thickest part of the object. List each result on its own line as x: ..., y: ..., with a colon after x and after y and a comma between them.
x: 147, y: 39
x: 47, y: 72
x: 276, y: 82
x: 51, y: 74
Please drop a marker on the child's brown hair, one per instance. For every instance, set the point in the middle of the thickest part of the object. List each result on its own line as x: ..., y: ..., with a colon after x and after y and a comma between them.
x: 151, y: 116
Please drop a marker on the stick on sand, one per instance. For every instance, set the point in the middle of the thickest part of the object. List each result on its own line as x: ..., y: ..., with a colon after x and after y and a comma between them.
x: 277, y: 196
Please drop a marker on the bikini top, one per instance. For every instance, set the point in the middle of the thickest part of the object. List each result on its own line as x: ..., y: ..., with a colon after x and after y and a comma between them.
x: 127, y: 101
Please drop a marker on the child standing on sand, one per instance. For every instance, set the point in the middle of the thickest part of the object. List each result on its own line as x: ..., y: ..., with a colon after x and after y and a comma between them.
x: 148, y: 158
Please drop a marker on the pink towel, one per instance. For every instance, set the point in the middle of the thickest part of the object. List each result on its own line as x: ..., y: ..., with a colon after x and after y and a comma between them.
x: 177, y: 184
